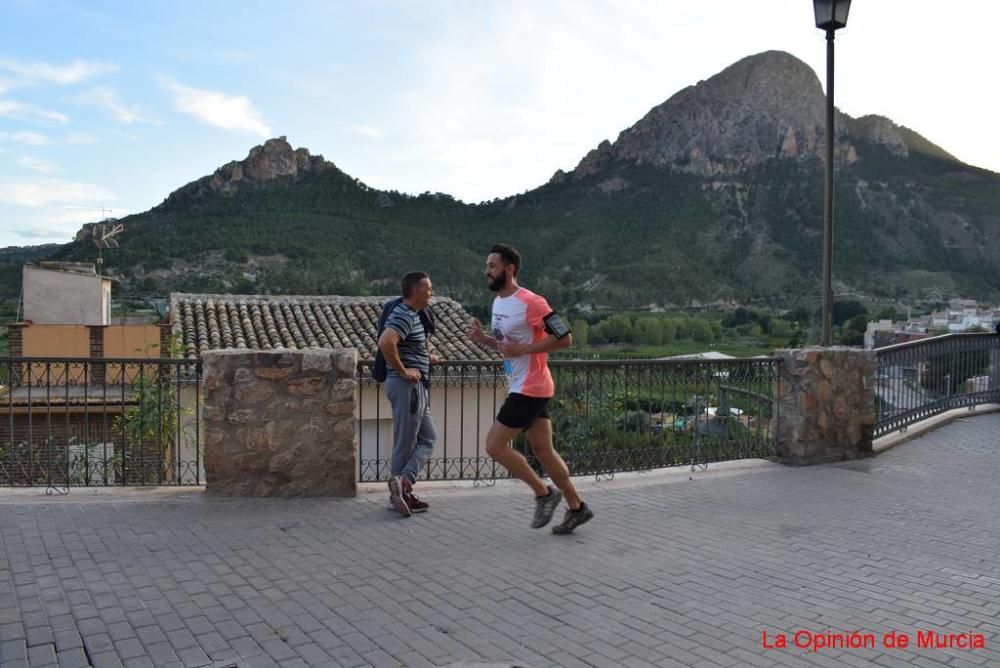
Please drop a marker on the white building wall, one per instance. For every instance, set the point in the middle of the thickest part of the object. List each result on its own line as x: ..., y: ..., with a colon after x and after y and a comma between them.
x: 53, y: 297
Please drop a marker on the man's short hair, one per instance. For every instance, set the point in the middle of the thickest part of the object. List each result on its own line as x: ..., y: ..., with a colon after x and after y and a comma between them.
x: 509, y: 255
x: 412, y: 280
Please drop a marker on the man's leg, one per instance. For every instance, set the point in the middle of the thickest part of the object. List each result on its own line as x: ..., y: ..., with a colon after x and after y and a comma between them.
x: 540, y: 438
x: 404, y: 433
x: 498, y: 447
x: 424, y: 439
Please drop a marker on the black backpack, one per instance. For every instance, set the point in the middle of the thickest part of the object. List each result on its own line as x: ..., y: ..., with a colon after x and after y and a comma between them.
x: 380, y: 369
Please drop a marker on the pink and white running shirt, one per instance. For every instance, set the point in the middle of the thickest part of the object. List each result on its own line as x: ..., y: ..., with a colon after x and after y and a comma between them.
x: 519, y: 318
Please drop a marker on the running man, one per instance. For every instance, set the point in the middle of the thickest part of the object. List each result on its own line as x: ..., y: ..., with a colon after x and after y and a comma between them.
x: 524, y: 329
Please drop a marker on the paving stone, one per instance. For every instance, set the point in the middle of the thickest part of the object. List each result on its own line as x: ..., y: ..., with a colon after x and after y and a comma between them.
x: 106, y: 660
x: 42, y: 655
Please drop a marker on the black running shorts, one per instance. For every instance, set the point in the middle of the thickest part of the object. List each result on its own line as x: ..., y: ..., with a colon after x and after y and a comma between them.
x: 520, y: 411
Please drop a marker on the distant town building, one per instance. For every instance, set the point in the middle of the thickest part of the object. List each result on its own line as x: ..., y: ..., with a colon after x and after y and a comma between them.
x: 961, y: 316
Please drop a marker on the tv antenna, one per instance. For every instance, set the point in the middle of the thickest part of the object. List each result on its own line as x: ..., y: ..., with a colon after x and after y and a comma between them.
x: 103, y: 235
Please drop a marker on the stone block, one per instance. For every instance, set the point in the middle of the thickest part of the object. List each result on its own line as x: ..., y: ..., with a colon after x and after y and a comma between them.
x: 281, y: 423
x: 827, y: 405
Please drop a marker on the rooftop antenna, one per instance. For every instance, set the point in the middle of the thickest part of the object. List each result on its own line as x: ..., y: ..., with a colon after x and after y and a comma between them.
x: 103, y: 235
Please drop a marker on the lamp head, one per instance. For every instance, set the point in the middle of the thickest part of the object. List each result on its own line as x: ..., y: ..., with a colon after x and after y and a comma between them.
x: 831, y: 14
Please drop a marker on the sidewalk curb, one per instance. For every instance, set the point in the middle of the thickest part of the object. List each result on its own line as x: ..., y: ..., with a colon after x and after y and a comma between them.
x: 883, y: 443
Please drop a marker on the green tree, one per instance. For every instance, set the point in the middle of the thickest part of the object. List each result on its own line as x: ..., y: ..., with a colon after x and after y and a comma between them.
x: 700, y: 330
x: 669, y: 330
x: 618, y: 329
x: 581, y: 332
x: 847, y: 309
x: 648, y: 331
x: 780, y: 328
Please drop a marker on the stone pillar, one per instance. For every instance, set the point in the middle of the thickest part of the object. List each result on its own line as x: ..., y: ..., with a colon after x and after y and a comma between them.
x: 281, y: 422
x: 826, y: 404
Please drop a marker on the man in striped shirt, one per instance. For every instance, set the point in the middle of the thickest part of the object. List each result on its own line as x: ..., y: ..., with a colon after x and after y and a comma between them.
x: 405, y: 346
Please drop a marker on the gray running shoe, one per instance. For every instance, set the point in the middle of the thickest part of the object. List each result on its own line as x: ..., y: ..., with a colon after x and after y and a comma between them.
x: 573, y: 519
x: 397, y: 498
x: 545, y: 507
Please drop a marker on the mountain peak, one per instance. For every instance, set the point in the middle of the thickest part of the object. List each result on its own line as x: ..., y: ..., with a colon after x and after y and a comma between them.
x: 271, y: 161
x: 769, y: 105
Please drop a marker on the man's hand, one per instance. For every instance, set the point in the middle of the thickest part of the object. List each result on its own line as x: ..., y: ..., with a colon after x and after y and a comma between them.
x: 513, y: 348
x: 475, y: 331
x: 434, y: 358
x: 411, y: 375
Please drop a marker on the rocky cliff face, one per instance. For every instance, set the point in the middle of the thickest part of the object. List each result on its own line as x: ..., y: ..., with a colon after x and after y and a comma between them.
x: 769, y: 106
x: 274, y: 160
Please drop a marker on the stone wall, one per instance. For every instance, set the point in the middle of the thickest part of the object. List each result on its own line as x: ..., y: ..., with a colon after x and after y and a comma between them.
x: 826, y: 404
x: 280, y: 423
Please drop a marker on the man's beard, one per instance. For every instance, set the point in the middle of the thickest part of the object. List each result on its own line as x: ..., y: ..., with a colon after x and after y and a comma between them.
x: 498, y: 283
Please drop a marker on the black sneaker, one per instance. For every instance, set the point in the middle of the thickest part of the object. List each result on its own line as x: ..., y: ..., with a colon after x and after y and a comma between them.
x: 573, y: 519
x: 397, y: 500
x: 415, y: 503
x: 545, y: 507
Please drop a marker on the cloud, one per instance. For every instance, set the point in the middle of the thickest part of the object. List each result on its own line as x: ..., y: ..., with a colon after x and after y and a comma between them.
x: 229, y: 112
x: 368, y: 131
x: 492, y: 113
x: 41, y: 233
x: 46, y: 192
x: 20, y: 110
x: 39, y: 72
x: 27, y: 138
x: 81, y: 138
x: 107, y: 99
x: 59, y: 223
x: 37, y: 164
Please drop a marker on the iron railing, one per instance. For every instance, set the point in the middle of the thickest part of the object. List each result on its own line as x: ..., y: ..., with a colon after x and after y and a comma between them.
x: 608, y: 416
x: 98, y: 421
x: 920, y: 379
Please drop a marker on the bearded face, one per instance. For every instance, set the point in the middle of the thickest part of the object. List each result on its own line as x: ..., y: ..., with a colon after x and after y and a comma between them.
x: 498, y: 282
x: 496, y: 274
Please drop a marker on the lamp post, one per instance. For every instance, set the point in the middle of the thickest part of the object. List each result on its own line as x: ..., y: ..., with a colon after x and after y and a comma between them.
x: 831, y: 15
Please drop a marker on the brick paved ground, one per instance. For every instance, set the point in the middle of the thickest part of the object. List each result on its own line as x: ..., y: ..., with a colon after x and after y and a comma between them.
x: 672, y: 571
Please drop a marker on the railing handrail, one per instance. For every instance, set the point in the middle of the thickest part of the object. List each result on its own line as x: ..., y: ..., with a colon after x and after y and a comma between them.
x: 101, y: 360
x: 931, y: 339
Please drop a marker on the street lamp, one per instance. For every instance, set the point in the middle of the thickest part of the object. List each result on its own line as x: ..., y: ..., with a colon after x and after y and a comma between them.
x: 831, y: 15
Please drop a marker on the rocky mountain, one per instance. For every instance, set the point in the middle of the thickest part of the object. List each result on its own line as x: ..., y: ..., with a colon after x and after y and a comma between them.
x: 714, y: 194
x: 273, y: 161
x: 770, y: 106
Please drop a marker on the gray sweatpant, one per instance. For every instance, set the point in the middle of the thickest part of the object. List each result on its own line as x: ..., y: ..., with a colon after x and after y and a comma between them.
x: 413, y: 432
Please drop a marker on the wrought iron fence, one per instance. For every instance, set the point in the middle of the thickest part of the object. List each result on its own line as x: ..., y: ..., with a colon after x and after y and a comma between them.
x: 95, y: 422
x: 608, y: 416
x: 920, y: 379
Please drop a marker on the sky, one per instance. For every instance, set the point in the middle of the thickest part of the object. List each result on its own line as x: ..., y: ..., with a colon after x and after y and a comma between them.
x: 106, y: 107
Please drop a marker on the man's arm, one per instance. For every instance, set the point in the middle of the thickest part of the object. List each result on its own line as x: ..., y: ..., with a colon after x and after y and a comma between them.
x: 477, y: 335
x: 546, y: 345
x: 388, y: 343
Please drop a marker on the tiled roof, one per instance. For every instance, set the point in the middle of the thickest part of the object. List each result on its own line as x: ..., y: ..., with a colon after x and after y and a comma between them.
x: 262, y: 322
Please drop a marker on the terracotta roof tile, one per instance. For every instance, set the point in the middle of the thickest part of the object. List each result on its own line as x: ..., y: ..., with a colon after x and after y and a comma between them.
x: 206, y: 322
